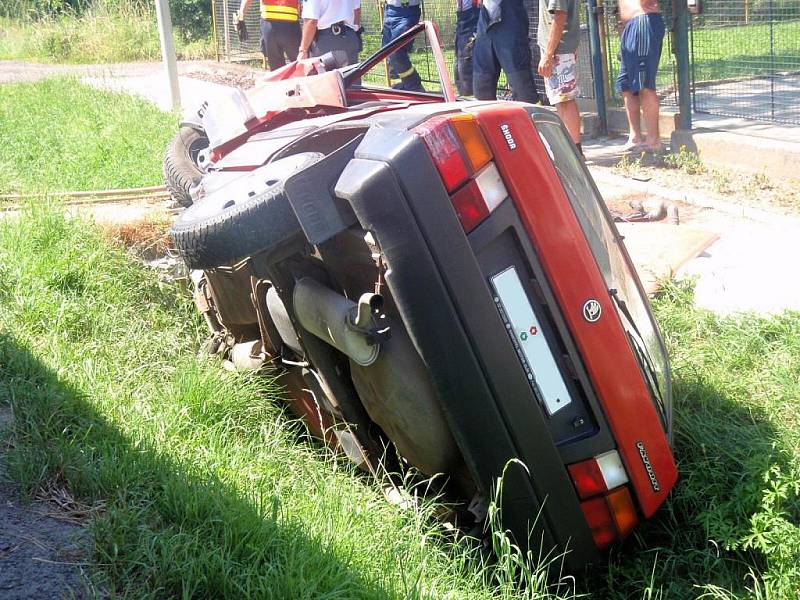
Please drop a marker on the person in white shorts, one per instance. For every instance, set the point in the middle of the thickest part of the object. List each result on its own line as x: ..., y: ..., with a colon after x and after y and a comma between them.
x: 558, y: 39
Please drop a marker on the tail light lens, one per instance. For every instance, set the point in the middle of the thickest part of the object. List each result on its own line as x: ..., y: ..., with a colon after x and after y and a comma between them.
x: 606, y: 502
x: 611, y: 517
x: 463, y: 159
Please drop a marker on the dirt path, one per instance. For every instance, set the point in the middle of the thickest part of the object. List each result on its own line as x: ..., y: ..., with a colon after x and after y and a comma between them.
x: 197, y: 80
x: 748, y: 268
x: 40, y: 557
x: 15, y: 71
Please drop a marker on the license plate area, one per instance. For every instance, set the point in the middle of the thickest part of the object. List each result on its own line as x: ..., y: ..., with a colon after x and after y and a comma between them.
x: 530, y: 343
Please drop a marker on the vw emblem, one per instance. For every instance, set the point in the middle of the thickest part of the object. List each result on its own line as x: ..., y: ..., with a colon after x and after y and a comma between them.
x: 592, y: 310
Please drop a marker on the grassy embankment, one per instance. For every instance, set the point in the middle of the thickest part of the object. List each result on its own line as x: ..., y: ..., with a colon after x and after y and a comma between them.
x: 60, y: 135
x: 206, y: 489
x: 101, y: 34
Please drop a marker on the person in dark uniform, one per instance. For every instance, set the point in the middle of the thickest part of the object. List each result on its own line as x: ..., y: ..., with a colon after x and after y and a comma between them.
x: 280, y: 29
x: 466, y: 28
x: 330, y: 25
x: 398, y: 17
x: 502, y: 43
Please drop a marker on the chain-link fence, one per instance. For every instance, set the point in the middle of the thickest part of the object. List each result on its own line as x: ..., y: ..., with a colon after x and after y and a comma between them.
x: 441, y: 12
x: 745, y: 57
x: 226, y: 42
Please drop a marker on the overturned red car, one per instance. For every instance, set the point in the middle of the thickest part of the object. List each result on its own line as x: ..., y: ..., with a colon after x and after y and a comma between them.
x: 440, y: 287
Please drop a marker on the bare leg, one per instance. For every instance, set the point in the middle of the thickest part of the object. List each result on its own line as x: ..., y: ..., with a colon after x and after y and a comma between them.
x: 634, y: 118
x: 569, y: 113
x: 649, y: 102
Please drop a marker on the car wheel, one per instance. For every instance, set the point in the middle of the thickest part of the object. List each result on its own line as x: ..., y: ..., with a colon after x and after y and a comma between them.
x: 182, y: 163
x: 244, y: 218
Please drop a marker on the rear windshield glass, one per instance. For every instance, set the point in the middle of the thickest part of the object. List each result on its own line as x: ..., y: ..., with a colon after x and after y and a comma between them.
x: 617, y: 274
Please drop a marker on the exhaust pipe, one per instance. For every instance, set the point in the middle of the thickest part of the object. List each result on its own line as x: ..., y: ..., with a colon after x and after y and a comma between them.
x: 336, y: 320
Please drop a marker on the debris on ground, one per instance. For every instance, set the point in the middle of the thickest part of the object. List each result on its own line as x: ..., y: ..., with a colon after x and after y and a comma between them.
x: 44, y: 552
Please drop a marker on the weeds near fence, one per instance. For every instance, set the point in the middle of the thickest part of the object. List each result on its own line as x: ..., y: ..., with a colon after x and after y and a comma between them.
x: 101, y: 34
x: 685, y: 160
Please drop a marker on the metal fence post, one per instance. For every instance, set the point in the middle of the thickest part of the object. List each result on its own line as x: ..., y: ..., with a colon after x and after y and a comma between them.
x: 168, y: 52
x: 681, y: 49
x: 596, y: 50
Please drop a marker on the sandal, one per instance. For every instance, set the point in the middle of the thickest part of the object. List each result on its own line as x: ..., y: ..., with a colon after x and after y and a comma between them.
x: 632, y: 147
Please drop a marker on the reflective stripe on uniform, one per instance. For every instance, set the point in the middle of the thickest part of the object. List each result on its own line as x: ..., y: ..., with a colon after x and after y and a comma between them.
x: 280, y: 10
x: 405, y: 74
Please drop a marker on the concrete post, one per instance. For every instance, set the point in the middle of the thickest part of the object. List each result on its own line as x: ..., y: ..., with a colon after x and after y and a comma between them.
x: 168, y: 51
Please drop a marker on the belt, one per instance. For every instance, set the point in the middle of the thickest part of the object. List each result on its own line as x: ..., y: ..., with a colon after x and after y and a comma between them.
x: 403, y: 3
x: 335, y: 29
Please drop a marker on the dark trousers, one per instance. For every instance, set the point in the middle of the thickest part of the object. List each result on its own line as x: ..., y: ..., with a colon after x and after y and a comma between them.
x: 347, y: 42
x: 466, y: 27
x: 280, y: 42
x: 503, y: 45
x: 398, y: 20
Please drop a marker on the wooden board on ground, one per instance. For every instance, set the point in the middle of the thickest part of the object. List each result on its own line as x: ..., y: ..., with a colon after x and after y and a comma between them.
x: 660, y: 249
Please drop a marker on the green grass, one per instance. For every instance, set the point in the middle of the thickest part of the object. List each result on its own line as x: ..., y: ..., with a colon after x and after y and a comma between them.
x: 99, y: 35
x: 60, y: 135
x: 732, y: 527
x: 212, y: 492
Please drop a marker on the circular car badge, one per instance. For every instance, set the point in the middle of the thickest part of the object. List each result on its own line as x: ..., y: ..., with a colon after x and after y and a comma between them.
x: 592, y: 310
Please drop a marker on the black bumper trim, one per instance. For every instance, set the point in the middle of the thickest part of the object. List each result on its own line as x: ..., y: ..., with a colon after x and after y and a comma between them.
x: 447, y: 308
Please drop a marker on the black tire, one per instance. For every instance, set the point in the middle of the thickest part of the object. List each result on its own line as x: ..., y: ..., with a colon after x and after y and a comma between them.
x: 181, y: 167
x: 241, y: 219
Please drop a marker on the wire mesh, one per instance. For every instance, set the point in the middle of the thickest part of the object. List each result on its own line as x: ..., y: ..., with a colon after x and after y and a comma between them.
x: 746, y: 59
x: 227, y: 44
x: 441, y: 12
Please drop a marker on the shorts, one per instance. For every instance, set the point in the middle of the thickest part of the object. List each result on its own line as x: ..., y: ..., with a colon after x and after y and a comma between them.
x: 640, y: 52
x: 562, y: 85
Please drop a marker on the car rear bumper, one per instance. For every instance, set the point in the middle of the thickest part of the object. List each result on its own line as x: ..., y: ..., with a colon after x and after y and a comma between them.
x: 441, y: 291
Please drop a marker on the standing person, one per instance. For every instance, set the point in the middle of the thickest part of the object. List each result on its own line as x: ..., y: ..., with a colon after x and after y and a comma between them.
x: 502, y: 43
x: 640, y: 51
x: 467, y: 12
x: 330, y: 25
x: 280, y: 29
x: 558, y: 38
x: 398, y: 17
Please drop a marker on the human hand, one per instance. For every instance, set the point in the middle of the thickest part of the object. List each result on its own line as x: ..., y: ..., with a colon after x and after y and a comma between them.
x: 302, y: 54
x: 546, y: 65
x: 360, y: 34
x: 241, y: 26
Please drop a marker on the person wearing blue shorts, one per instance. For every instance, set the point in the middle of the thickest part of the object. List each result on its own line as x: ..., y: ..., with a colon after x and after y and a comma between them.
x: 640, y: 52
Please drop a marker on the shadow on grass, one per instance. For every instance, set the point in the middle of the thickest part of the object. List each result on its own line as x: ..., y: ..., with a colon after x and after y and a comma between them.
x: 165, y: 532
x: 695, y: 541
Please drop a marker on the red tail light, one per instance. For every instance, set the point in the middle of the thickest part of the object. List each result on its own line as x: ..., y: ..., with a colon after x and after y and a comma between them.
x: 611, y: 517
x: 607, y: 504
x: 587, y: 478
x: 463, y: 159
x: 598, y: 516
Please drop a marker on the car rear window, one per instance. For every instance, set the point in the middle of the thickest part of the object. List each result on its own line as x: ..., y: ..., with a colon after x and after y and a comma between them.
x: 605, y: 245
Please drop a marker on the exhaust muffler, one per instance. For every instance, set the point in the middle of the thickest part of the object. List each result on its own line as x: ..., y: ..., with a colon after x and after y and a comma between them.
x: 337, y: 320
